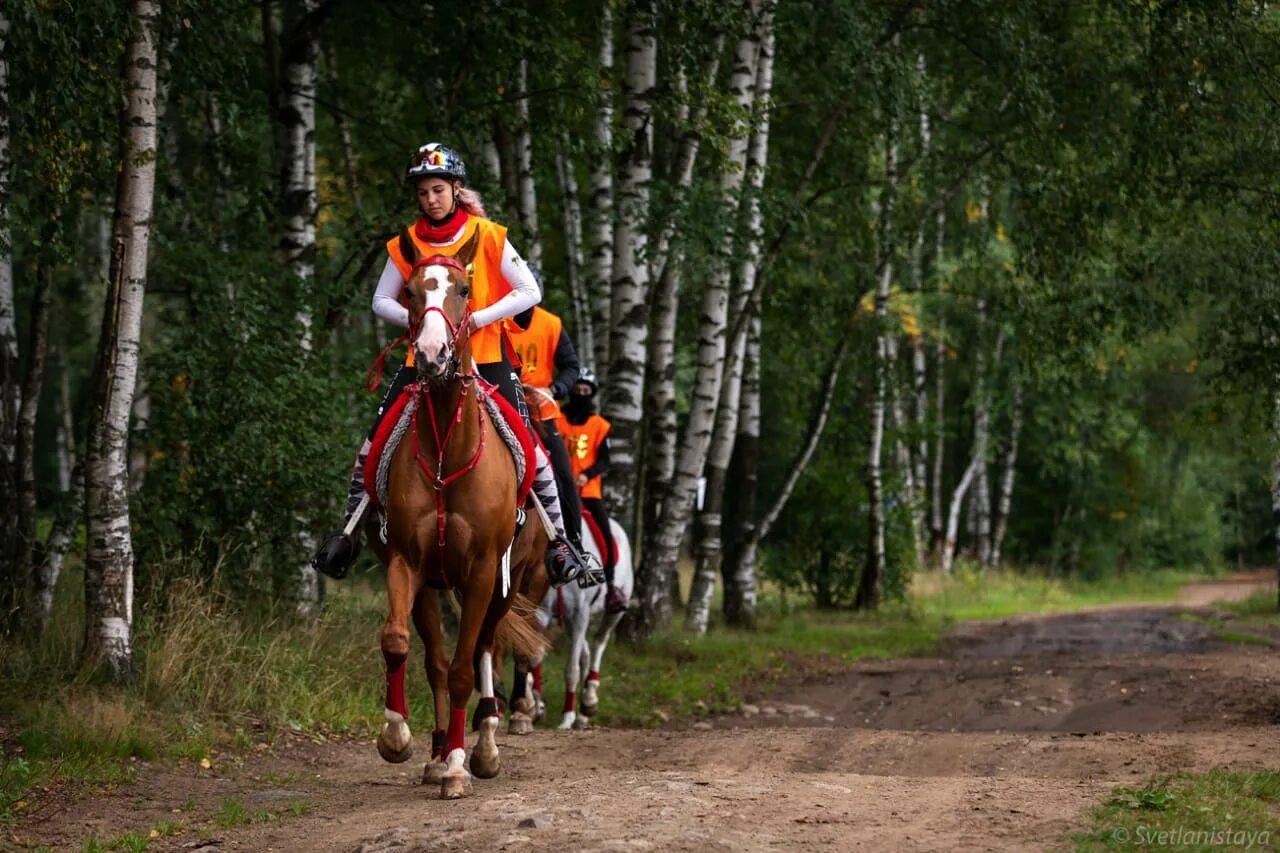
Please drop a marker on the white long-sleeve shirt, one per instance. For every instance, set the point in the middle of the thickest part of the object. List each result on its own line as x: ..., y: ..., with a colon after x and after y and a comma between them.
x: 524, y: 292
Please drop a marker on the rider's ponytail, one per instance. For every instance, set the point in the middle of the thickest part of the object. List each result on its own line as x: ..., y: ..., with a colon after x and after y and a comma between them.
x: 469, y: 200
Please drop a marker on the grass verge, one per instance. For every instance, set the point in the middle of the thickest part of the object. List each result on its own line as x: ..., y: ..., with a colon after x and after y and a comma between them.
x: 1204, y: 811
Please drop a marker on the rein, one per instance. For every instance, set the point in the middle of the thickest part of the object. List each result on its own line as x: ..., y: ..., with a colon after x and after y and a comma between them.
x: 373, y: 376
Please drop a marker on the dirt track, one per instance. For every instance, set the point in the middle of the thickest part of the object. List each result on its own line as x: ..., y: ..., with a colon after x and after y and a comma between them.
x: 1003, y: 744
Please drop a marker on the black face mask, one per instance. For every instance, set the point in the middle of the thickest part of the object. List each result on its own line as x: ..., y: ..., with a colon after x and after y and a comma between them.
x: 579, y: 406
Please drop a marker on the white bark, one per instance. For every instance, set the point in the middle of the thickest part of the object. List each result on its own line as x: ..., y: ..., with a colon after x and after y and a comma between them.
x: 296, y: 118
x: 66, y: 437
x: 710, y: 546
x: 901, y: 451
x: 584, y: 334
x: 939, y: 397
x: 109, y: 547
x: 873, y: 572
x: 1008, y: 469
x: 492, y: 162
x: 740, y: 579
x: 10, y: 381
x: 528, y: 199
x: 662, y: 554
x: 624, y: 394
x: 919, y: 363
x: 599, y: 225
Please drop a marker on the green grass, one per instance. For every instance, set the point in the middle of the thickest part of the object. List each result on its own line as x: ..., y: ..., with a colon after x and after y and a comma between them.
x: 210, y: 683
x: 1208, y: 811
x: 234, y: 813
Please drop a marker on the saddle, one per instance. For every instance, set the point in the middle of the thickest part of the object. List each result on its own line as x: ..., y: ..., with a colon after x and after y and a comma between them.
x: 604, y: 542
x: 507, y: 424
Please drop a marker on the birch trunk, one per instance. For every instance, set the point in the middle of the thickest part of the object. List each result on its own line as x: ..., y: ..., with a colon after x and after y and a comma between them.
x: 37, y: 349
x: 624, y: 388
x: 109, y: 547
x: 296, y: 249
x: 919, y: 362
x: 661, y: 438
x: 66, y: 438
x: 1275, y: 484
x: 709, y: 549
x: 54, y: 552
x: 343, y: 123
x: 739, y: 575
x: 599, y: 225
x: 584, y: 334
x: 981, y: 432
x: 10, y: 381
x: 1008, y: 469
x: 528, y: 198
x: 868, y: 594
x: 663, y: 544
x: 937, y: 535
x: 902, y: 451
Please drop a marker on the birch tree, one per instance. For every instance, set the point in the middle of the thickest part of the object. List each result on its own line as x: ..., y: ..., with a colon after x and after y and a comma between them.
x: 10, y: 387
x: 296, y: 249
x: 1008, y: 468
x: 663, y: 544
x: 584, y: 333
x: 628, y: 326
x: 709, y: 548
x: 109, y: 546
x: 531, y: 244
x: 598, y: 277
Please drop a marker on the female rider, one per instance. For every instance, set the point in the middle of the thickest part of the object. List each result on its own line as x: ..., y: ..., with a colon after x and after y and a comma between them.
x: 501, y: 287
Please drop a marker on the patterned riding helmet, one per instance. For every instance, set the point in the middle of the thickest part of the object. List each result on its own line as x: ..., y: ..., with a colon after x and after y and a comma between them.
x: 434, y: 160
x: 587, y: 375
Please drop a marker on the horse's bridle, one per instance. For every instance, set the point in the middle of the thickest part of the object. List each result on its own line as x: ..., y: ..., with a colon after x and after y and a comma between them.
x: 415, y: 326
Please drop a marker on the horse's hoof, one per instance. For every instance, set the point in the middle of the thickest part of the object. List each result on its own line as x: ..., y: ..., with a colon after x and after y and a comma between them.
x: 583, y: 723
x: 393, y: 755
x: 433, y: 773
x: 455, y: 787
x: 520, y: 725
x: 484, y: 765
x: 589, y: 710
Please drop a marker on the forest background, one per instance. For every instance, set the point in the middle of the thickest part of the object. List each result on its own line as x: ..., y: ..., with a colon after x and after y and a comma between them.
x: 902, y: 283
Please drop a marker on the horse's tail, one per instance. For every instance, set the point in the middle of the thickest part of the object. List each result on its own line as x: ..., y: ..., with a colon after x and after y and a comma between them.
x: 516, y: 631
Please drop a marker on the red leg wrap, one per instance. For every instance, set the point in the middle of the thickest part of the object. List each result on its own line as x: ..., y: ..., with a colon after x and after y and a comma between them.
x: 537, y: 678
x: 570, y: 700
x: 395, y: 690
x: 457, y: 729
x: 593, y: 675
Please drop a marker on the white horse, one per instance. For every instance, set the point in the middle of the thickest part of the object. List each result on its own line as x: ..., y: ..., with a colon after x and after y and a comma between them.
x: 576, y: 607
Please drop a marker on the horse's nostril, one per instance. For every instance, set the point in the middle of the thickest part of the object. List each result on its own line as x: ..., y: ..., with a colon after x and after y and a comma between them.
x: 440, y: 358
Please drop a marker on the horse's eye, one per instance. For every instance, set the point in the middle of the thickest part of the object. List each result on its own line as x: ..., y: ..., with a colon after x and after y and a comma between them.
x: 465, y: 290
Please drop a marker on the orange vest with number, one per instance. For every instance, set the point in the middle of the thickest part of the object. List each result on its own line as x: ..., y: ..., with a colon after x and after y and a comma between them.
x: 583, y: 443
x: 484, y: 272
x: 536, y: 349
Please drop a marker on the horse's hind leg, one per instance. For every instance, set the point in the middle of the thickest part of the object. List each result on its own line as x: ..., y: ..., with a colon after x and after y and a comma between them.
x: 426, y: 617
x: 591, y: 690
x: 578, y: 621
x: 395, y: 742
x: 523, y: 706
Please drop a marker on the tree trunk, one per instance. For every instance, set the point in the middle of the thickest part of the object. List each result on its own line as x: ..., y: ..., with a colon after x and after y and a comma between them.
x: 711, y: 539
x: 662, y: 547
x: 66, y: 437
x: 10, y: 380
x: 1275, y: 485
x: 599, y: 225
x: 37, y: 349
x: 868, y: 594
x: 939, y: 402
x: 919, y: 362
x: 583, y: 333
x: 739, y: 575
x: 531, y: 244
x: 296, y: 249
x: 343, y: 123
x: 624, y: 388
x: 109, y: 547
x: 1008, y: 469
x: 902, y: 454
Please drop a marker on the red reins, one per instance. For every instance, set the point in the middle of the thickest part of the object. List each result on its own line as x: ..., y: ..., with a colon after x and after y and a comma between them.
x: 373, y: 377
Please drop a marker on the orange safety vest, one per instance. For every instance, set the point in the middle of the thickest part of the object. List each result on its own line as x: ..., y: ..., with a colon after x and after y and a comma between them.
x: 583, y: 443
x: 484, y: 272
x: 536, y: 351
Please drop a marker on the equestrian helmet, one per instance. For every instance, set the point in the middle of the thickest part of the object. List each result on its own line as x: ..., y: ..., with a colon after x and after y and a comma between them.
x: 434, y: 160
x: 588, y: 376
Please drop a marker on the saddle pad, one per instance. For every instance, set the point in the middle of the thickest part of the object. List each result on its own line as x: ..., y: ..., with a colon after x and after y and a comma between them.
x: 603, y: 543
x: 399, y: 418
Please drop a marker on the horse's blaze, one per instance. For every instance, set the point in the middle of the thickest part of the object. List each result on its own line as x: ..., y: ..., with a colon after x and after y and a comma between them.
x: 434, y: 336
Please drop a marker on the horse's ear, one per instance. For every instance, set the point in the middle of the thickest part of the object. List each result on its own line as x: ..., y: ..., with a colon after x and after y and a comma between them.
x: 408, y: 249
x: 467, y: 253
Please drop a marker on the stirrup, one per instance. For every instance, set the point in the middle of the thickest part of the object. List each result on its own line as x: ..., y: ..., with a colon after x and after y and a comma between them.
x: 592, y: 573
x: 564, y: 563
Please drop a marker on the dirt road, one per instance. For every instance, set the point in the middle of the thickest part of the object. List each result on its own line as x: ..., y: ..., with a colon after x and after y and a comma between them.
x: 1004, y: 743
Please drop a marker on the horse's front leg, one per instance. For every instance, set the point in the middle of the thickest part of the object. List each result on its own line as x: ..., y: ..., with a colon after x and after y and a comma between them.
x: 395, y: 742
x: 591, y: 690
x: 523, y: 706
x: 485, y: 761
x: 578, y: 620
x: 427, y: 619
x: 462, y: 672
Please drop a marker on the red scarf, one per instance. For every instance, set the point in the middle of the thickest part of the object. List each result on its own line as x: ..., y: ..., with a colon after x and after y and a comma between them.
x: 441, y: 233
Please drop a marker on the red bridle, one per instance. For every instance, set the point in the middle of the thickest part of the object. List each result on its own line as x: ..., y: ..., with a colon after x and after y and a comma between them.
x: 456, y: 331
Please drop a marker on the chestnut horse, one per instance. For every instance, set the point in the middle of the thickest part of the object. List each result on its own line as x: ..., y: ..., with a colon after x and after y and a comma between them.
x: 451, y: 516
